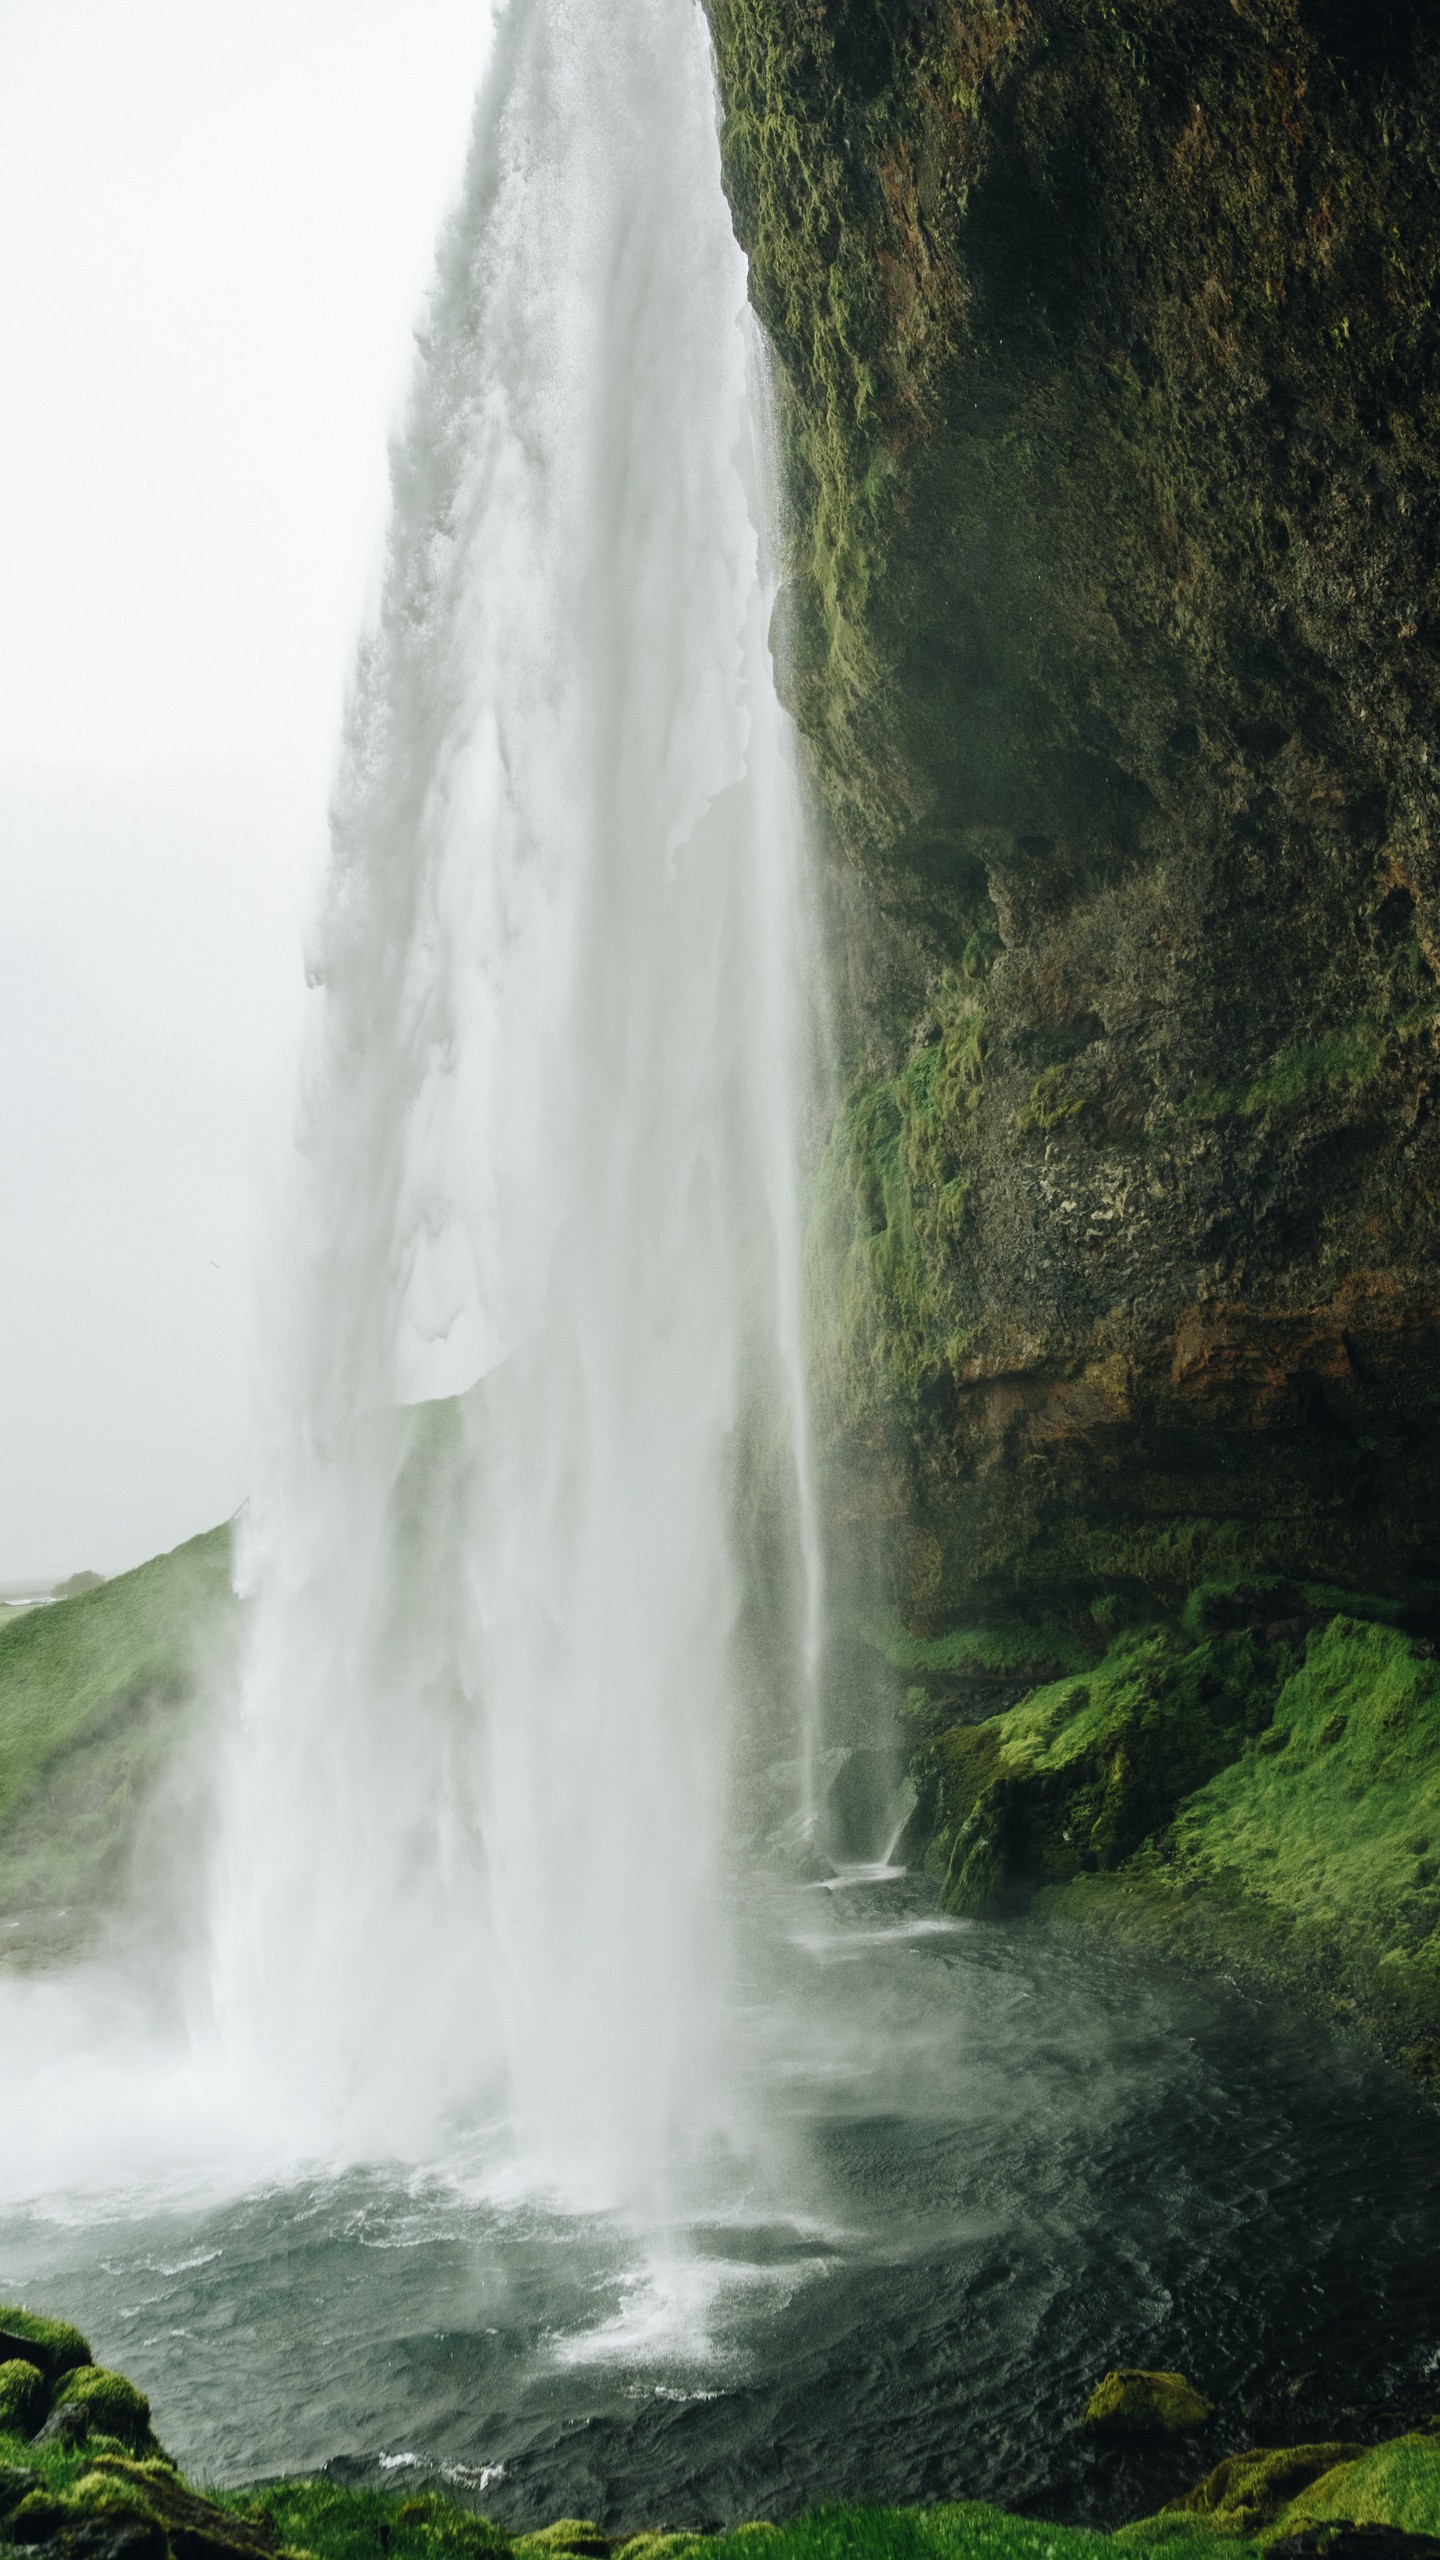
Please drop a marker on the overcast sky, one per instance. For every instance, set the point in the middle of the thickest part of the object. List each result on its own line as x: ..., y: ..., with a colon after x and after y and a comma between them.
x: 216, y: 222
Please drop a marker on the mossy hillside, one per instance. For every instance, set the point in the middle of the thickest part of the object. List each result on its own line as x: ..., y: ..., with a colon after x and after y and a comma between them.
x: 332, y: 2522
x: 1396, y: 2484
x: 1245, y: 2496
x: 1330, y: 1819
x: 94, y: 1693
x: 1267, y: 1795
x: 1082, y: 1772
x: 1107, y: 352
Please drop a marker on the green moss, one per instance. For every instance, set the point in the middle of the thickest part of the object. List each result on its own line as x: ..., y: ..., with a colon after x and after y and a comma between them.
x: 114, y: 2405
x: 997, y: 1648
x: 1139, y: 2403
x: 1330, y: 1826
x: 93, y: 1693
x: 569, y: 2538
x: 1346, y: 1061
x: 961, y: 2532
x: 54, y: 2345
x: 1246, y: 2494
x: 1081, y: 1773
x: 24, y: 2396
x: 38, y: 2517
x: 336, y: 2523
x: 674, y: 2546
x: 891, y: 1213
x: 1396, y: 2484
x: 1261, y: 1798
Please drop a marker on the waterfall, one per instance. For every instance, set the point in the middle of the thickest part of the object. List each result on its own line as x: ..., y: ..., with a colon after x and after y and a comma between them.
x: 541, y: 1388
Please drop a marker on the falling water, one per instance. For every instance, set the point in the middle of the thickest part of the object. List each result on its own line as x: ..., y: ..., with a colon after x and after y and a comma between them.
x: 544, y: 1378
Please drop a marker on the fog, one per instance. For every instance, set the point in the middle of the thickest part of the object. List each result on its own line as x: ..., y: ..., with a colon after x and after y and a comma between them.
x: 216, y: 224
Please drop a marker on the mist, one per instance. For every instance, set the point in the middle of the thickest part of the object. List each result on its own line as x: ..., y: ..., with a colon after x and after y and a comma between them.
x: 207, y: 294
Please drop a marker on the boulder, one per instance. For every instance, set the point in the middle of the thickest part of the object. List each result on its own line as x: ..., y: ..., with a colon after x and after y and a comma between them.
x: 1248, y: 2491
x: 104, y: 2403
x: 1131, y: 2402
x: 197, y: 2529
x: 23, y: 2395
x: 67, y: 2426
x: 51, y: 2344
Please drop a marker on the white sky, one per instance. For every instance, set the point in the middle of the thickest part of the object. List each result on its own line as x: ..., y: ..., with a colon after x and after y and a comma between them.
x: 216, y: 222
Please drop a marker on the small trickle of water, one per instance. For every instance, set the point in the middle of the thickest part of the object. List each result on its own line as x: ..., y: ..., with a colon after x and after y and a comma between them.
x: 543, y: 1392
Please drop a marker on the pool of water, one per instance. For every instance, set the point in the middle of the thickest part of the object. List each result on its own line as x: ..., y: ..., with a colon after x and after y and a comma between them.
x: 1002, y: 2164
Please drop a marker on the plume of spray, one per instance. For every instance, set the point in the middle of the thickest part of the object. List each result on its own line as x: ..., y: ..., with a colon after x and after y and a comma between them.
x: 546, y: 1322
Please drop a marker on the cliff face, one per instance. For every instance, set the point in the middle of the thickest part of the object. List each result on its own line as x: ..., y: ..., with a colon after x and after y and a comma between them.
x: 1107, y: 341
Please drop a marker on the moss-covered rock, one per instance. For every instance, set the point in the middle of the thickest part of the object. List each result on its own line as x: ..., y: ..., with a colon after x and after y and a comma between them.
x: 570, y: 2538
x: 1394, y: 2484
x: 24, y: 2397
x: 1247, y: 2494
x: 54, y: 2345
x: 1266, y: 1794
x: 1132, y: 2402
x: 109, y: 2404
x: 1286, y: 2498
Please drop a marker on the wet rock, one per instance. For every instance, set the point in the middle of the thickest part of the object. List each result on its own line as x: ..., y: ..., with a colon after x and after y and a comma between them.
x: 1132, y: 2402
x: 69, y: 2425
x: 23, y: 2396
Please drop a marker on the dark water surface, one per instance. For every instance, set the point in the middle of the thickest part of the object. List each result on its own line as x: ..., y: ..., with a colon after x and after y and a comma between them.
x: 1021, y: 2162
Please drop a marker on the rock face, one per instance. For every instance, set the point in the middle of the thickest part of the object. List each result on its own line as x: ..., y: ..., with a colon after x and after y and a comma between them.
x: 1106, y: 336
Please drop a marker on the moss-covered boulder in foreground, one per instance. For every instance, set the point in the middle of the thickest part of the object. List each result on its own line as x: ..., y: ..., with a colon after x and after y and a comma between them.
x: 1245, y: 2496
x: 54, y: 2345
x: 109, y: 2405
x: 24, y: 2396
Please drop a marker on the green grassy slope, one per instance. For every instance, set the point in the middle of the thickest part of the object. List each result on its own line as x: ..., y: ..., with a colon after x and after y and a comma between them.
x: 94, y: 1694
x: 1264, y: 1793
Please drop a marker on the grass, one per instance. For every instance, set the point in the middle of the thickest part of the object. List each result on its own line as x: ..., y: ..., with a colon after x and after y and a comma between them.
x: 975, y: 1648
x: 1263, y: 1795
x: 332, y: 2522
x: 1332, y: 1816
x: 93, y: 1695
